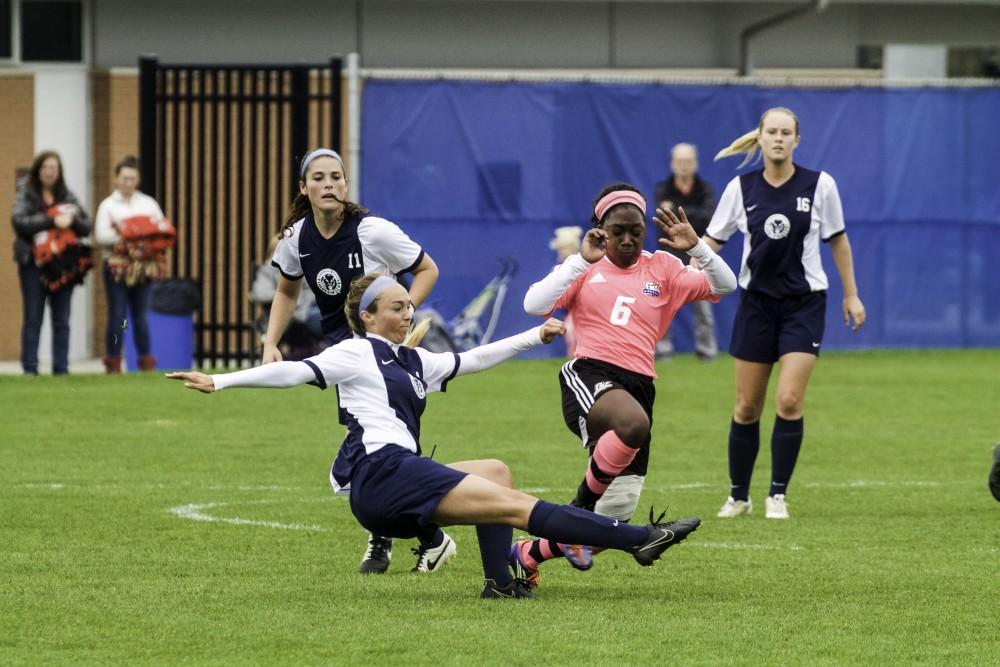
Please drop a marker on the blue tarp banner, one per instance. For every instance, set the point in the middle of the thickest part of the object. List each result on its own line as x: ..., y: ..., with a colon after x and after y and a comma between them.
x: 478, y: 171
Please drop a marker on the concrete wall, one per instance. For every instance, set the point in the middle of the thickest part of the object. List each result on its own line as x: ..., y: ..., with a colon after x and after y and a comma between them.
x: 488, y: 33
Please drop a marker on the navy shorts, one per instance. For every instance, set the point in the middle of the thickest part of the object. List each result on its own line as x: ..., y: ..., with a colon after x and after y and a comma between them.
x: 395, y: 493
x: 766, y: 327
x: 582, y: 382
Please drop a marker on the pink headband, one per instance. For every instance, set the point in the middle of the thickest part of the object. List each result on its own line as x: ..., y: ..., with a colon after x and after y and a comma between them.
x: 605, y: 203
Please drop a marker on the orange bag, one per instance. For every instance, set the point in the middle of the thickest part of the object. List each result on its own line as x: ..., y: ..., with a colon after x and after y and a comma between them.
x: 141, y: 254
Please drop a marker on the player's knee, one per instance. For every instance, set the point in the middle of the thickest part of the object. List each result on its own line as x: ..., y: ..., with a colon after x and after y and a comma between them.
x: 632, y: 430
x: 497, y: 471
x: 788, y: 404
x: 747, y: 412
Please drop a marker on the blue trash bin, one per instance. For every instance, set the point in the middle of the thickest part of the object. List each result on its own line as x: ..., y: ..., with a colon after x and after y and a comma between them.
x: 171, y: 341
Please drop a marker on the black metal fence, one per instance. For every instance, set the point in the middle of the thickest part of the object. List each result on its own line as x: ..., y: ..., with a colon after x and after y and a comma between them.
x: 220, y: 146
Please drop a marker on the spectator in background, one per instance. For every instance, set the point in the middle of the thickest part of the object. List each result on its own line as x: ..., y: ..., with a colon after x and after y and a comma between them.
x: 566, y: 242
x: 47, y: 216
x: 685, y: 189
x: 127, y: 279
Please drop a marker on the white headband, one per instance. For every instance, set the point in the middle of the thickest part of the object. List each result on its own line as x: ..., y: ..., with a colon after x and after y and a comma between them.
x: 373, y: 291
x: 319, y: 152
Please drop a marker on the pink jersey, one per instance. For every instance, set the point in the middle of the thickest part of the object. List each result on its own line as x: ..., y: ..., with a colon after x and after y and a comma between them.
x: 620, y: 314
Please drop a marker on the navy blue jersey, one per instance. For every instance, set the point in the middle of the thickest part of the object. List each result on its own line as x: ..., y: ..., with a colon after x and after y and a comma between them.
x: 382, y: 390
x: 782, y: 227
x: 361, y: 245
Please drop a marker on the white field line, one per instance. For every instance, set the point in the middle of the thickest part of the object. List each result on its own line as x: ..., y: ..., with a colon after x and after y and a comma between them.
x: 739, y: 546
x: 43, y: 486
x: 196, y: 512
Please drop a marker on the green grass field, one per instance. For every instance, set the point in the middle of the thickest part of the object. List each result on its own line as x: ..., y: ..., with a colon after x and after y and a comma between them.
x: 892, y: 554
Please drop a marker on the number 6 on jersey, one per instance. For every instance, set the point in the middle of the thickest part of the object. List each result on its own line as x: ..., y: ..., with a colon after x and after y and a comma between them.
x: 621, y: 311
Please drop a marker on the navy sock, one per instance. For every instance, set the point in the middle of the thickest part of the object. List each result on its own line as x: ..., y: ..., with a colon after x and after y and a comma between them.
x: 786, y: 441
x: 432, y: 537
x: 572, y: 525
x: 494, y: 545
x: 744, y: 443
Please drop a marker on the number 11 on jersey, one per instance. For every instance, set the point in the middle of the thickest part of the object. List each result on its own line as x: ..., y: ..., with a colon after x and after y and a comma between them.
x: 353, y: 261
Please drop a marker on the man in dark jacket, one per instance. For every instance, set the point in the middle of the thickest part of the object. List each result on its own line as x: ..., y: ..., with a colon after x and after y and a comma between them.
x: 685, y: 189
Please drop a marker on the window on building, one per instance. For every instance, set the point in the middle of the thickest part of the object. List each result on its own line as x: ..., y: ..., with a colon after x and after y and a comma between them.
x: 6, y: 29
x: 51, y: 30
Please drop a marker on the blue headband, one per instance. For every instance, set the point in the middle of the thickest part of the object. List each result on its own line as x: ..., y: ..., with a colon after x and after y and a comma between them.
x: 319, y: 152
x: 373, y: 291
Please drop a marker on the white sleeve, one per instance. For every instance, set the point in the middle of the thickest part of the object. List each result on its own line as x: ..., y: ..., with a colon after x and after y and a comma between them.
x: 286, y: 255
x: 104, y: 233
x: 339, y: 363
x: 725, y: 220
x: 827, y: 207
x: 278, y: 375
x: 487, y: 356
x: 721, y: 278
x: 388, y: 245
x: 439, y: 368
x: 541, y: 297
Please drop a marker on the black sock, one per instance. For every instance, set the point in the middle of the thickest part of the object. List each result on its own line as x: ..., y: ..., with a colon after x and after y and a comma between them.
x: 494, y: 545
x: 535, y: 550
x: 744, y: 443
x: 432, y: 537
x: 572, y: 525
x: 786, y: 441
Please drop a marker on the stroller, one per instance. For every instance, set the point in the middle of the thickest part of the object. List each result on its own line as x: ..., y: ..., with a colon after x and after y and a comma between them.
x: 467, y: 329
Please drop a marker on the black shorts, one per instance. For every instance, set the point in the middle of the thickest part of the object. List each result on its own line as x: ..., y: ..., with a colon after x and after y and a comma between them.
x: 395, y: 493
x: 582, y: 382
x: 766, y: 327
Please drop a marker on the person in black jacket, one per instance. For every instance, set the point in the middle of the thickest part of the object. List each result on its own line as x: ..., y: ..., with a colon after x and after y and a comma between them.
x: 44, y: 203
x: 685, y: 189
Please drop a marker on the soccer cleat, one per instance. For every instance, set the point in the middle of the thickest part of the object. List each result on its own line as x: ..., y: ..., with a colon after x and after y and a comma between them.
x: 377, y: 555
x: 517, y: 588
x: 735, y: 508
x: 430, y: 559
x: 995, y: 473
x: 528, y: 575
x: 662, y: 536
x: 775, y: 507
x: 579, y: 556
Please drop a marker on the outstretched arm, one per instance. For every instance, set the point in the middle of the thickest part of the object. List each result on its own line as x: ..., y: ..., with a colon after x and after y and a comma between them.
x: 277, y: 375
x: 487, y: 356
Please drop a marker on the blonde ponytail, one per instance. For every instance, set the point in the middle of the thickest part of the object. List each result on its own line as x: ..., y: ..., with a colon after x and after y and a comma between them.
x: 745, y: 144
x: 417, y: 333
x: 748, y: 142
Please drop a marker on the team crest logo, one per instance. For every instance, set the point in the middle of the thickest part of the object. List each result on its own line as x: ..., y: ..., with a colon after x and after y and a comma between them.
x: 329, y: 282
x: 602, y: 386
x: 651, y: 288
x: 777, y: 226
x: 418, y: 387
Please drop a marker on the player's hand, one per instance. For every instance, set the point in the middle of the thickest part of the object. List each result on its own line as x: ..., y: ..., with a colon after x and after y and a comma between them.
x: 271, y: 354
x: 195, y: 380
x: 592, y: 248
x: 550, y: 329
x: 63, y: 220
x: 678, y: 232
x: 854, y: 310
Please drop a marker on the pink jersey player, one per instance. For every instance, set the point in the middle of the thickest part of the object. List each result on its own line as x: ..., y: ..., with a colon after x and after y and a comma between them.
x: 622, y: 299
